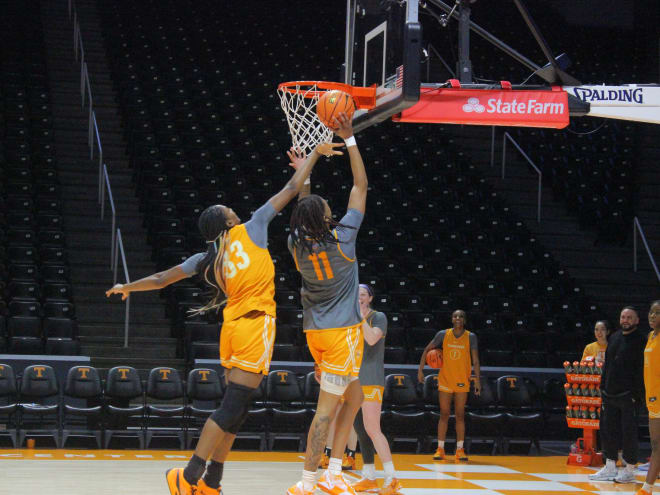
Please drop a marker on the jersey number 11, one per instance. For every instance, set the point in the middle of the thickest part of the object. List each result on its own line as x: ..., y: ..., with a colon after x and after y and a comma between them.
x: 323, y: 256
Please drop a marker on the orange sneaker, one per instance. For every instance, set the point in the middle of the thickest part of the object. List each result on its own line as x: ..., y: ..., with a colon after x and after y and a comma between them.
x: 461, y: 455
x: 298, y: 489
x: 323, y: 463
x: 365, y: 485
x: 392, y: 488
x: 177, y: 484
x: 348, y: 462
x: 642, y: 492
x: 335, y: 485
x: 439, y: 454
x: 204, y: 489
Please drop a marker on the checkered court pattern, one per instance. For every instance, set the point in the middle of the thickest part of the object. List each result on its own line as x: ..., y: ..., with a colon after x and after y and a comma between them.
x: 102, y: 472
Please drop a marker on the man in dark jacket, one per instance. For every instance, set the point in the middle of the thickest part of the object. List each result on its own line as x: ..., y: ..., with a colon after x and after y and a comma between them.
x: 622, y: 388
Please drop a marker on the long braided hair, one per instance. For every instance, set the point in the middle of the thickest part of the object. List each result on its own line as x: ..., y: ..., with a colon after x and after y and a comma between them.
x: 310, y: 225
x: 212, y: 225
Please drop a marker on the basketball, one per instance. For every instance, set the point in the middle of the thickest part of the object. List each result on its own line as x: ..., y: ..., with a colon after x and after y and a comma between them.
x: 434, y: 358
x: 331, y: 104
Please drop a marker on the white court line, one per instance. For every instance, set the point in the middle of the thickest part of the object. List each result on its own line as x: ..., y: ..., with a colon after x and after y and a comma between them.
x: 466, y: 468
x: 529, y: 486
x: 573, y: 478
x: 418, y: 475
x: 559, y: 477
x: 448, y: 491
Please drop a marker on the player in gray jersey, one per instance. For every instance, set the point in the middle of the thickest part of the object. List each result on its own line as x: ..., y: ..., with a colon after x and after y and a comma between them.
x: 372, y: 380
x: 324, y: 253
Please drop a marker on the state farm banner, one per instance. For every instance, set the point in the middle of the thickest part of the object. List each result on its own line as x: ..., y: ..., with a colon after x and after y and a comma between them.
x: 533, y: 108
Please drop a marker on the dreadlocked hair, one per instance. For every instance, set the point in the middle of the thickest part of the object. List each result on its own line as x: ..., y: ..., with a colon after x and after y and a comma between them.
x: 212, y: 225
x: 310, y: 226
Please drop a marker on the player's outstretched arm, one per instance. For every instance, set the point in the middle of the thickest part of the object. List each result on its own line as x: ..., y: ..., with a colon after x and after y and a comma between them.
x: 358, y: 197
x: 295, y: 183
x: 298, y: 158
x: 152, y: 282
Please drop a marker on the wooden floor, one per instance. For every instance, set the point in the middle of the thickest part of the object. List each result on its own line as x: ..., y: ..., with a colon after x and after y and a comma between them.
x: 124, y: 472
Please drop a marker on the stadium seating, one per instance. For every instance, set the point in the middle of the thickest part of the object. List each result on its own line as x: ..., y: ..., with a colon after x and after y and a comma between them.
x: 39, y: 404
x: 83, y: 416
x: 124, y: 405
x: 8, y: 402
x: 33, y: 266
x: 165, y: 407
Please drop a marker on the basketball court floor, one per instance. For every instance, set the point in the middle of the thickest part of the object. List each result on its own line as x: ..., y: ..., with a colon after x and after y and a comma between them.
x: 123, y: 472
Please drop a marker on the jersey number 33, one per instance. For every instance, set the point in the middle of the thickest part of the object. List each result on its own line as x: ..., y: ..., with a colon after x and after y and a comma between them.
x: 236, y: 259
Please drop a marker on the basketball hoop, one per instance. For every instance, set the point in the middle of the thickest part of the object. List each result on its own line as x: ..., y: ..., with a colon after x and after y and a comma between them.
x: 299, y: 99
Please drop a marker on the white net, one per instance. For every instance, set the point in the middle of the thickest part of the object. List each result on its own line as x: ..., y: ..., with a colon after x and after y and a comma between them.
x: 299, y: 105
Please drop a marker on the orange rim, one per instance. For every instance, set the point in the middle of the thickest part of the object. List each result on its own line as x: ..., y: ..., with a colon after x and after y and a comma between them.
x: 364, y: 97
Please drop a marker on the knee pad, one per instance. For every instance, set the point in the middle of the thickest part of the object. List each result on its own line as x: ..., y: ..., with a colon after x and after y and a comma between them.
x: 231, y: 413
x: 335, y: 384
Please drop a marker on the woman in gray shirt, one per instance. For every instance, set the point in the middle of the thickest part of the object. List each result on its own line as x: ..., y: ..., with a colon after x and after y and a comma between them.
x: 372, y: 380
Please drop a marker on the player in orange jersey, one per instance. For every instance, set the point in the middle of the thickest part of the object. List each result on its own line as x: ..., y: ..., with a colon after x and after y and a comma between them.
x: 459, y: 355
x: 238, y: 266
x: 652, y: 386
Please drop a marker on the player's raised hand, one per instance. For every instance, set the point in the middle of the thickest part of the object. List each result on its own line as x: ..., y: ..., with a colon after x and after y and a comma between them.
x: 329, y: 149
x: 297, y: 157
x: 343, y: 126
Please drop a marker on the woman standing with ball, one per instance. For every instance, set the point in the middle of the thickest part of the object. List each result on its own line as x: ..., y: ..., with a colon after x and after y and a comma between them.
x: 459, y: 355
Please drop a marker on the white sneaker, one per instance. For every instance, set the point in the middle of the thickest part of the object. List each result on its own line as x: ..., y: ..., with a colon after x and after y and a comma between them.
x: 625, y: 476
x: 605, y: 474
x: 335, y: 485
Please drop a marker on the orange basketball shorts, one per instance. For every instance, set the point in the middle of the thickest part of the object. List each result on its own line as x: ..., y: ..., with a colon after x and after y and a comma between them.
x: 247, y: 343
x: 452, y: 385
x: 373, y: 393
x: 337, y: 351
x: 653, y: 405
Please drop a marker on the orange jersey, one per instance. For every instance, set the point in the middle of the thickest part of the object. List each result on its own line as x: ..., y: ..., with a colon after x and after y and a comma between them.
x: 652, y: 375
x: 456, y: 361
x: 249, y: 276
x: 596, y: 350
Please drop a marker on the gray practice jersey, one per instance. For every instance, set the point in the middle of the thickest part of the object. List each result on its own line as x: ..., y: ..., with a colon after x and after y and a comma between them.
x: 189, y: 266
x: 372, y: 370
x: 329, y: 291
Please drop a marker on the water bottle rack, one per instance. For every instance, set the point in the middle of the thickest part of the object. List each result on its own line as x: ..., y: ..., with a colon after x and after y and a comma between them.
x: 586, y: 454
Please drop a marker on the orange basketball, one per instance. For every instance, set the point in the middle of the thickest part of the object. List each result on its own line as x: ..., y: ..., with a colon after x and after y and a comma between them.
x: 434, y: 358
x: 331, y: 104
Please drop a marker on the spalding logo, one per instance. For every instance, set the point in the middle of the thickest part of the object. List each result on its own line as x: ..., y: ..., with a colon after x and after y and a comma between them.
x: 651, y: 399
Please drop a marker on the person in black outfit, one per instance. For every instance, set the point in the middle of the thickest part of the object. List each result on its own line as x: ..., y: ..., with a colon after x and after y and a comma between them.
x: 622, y: 388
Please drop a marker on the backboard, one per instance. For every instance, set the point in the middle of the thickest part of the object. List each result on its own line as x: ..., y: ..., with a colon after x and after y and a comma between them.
x: 383, y: 47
